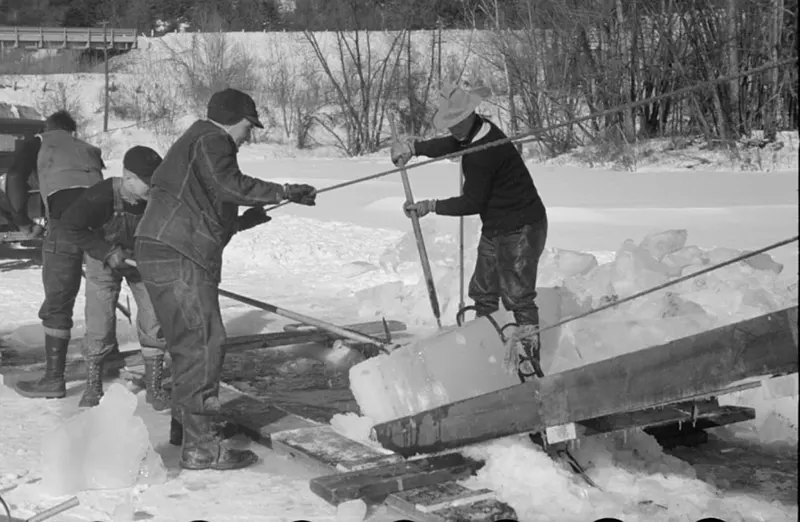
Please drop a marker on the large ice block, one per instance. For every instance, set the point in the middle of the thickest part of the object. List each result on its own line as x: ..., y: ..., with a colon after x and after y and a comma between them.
x: 105, y: 447
x: 457, y: 363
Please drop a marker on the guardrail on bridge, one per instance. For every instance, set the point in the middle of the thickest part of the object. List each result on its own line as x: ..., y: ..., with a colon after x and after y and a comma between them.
x: 120, y: 39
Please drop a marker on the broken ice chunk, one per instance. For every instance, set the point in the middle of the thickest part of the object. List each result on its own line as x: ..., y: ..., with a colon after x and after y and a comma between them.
x: 105, y: 447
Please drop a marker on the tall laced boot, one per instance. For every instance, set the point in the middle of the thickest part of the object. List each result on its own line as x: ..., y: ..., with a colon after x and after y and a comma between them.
x: 153, y: 377
x: 52, y: 384
x: 202, y: 448
x: 94, y: 383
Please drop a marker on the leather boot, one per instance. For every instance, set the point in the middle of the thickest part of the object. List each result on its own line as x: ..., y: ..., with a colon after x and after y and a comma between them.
x: 94, y: 383
x: 153, y: 376
x: 204, y: 449
x: 226, y: 430
x: 51, y: 385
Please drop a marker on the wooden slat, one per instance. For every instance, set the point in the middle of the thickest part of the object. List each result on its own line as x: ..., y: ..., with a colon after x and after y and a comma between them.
x: 375, y: 484
x: 423, y: 503
x: 700, y: 364
x: 322, y: 447
x: 709, y: 415
x: 258, y: 419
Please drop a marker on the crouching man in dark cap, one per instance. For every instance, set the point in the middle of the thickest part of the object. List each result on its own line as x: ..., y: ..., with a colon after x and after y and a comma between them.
x: 190, y: 218
x: 102, y: 222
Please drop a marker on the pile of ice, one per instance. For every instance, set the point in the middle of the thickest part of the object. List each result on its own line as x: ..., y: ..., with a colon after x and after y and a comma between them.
x: 105, y: 447
x: 734, y: 293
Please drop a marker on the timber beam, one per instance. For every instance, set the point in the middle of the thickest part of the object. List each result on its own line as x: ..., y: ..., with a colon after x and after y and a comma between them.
x: 692, y: 367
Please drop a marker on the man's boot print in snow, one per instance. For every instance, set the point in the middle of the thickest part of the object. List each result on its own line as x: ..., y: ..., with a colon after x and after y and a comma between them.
x: 51, y: 385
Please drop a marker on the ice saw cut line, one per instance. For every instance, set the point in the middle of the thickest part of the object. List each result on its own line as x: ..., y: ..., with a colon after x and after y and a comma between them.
x: 322, y: 325
x: 423, y: 252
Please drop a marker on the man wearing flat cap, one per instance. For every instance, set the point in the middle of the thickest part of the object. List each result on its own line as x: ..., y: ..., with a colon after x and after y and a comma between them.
x: 498, y: 187
x: 102, y: 222
x: 191, y: 216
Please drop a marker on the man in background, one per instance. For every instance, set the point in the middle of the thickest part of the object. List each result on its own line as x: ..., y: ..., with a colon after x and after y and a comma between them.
x: 66, y: 166
x: 190, y: 217
x: 102, y: 223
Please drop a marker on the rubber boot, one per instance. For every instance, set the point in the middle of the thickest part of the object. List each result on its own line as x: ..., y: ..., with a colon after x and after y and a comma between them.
x: 51, y: 385
x: 94, y: 383
x: 153, y: 377
x: 204, y: 449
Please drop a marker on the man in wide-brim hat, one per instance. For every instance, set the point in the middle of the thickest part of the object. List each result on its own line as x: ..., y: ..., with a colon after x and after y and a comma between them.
x: 499, y: 188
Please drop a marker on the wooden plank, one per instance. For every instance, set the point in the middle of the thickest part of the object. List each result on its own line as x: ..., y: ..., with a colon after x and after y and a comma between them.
x: 709, y: 415
x: 323, y: 446
x: 258, y: 419
x: 700, y: 364
x: 481, y: 511
x: 375, y: 484
x: 422, y: 503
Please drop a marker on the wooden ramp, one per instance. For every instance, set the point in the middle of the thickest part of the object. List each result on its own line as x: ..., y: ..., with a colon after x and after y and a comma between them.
x: 561, y: 405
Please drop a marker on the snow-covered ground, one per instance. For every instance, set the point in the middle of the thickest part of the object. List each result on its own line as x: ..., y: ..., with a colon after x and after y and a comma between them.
x: 318, y: 260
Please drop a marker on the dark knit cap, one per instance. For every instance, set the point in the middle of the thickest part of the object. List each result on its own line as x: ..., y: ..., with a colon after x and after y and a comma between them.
x: 142, y: 161
x: 230, y: 106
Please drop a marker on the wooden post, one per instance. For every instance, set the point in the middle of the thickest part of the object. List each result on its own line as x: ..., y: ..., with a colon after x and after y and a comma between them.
x: 105, y: 72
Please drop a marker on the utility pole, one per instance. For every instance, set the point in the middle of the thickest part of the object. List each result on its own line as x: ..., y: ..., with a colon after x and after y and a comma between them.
x: 105, y: 72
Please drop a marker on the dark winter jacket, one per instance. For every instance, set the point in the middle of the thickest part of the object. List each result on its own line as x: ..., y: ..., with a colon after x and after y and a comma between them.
x: 23, y: 166
x: 195, y: 196
x: 100, y: 219
x: 497, y: 184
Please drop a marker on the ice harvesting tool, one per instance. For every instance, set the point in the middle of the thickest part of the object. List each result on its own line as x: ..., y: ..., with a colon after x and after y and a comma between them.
x: 423, y: 253
x: 322, y: 325
x: 461, y: 303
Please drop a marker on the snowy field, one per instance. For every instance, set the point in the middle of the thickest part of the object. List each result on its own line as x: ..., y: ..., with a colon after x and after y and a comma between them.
x: 350, y: 258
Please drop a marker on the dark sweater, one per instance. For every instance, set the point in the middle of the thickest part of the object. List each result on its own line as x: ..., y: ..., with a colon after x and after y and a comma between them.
x: 497, y: 184
x: 23, y: 164
x: 94, y: 208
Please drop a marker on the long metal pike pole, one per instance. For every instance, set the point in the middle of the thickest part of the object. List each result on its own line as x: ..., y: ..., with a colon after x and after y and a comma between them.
x: 322, y: 325
x: 310, y: 321
x: 460, y: 242
x: 423, y: 253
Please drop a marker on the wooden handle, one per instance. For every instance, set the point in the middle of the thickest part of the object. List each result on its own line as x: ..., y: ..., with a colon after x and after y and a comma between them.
x: 55, y: 510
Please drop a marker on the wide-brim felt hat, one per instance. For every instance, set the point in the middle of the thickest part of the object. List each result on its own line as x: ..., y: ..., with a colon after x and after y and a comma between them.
x: 455, y: 104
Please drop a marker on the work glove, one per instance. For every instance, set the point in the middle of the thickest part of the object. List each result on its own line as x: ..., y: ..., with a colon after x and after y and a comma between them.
x: 402, y: 151
x: 422, y: 208
x: 252, y: 217
x: 301, y: 194
x: 116, y: 260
